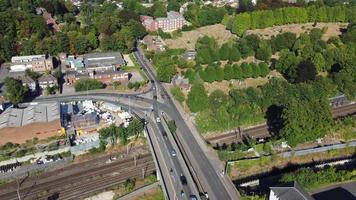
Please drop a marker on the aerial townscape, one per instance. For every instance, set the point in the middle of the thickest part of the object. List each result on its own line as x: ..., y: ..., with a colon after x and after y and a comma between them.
x: 177, y: 100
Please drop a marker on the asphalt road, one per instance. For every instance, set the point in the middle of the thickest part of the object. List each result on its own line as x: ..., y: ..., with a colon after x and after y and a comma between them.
x: 210, y: 178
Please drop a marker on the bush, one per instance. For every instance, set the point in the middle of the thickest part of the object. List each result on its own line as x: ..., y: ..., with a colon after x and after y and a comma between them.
x: 309, y: 178
x: 177, y: 94
x: 85, y: 84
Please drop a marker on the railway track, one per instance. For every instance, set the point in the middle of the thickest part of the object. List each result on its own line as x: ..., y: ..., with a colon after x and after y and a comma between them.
x: 261, y: 131
x: 116, y: 170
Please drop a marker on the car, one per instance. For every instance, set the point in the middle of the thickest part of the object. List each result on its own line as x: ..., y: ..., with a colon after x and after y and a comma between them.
x: 164, y: 133
x: 182, y: 194
x: 183, y: 180
x: 158, y: 119
x: 193, y: 197
x: 173, y: 153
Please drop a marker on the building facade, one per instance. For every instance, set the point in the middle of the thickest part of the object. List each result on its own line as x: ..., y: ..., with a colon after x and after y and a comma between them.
x: 36, y: 63
x: 172, y: 22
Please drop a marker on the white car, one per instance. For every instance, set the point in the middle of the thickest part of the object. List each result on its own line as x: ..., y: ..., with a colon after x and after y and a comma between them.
x: 158, y: 119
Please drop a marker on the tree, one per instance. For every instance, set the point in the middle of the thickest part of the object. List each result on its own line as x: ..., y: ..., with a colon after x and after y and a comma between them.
x: 305, y: 120
x: 306, y: 71
x: 224, y: 51
x: 173, y: 5
x: 197, y: 98
x: 32, y: 74
x: 264, y: 70
x: 234, y: 54
x: 159, y: 9
x: 283, y: 41
x: 166, y: 73
x: 319, y: 62
x: 86, y: 84
x: 246, y: 70
x: 264, y: 51
x: 177, y: 94
x: 217, y: 99
x: 255, y: 70
x: 135, y: 128
x: 15, y: 91
x: 228, y: 72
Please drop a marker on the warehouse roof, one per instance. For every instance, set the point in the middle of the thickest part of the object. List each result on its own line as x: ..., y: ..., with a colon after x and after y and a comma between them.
x: 17, y: 117
x: 93, y: 60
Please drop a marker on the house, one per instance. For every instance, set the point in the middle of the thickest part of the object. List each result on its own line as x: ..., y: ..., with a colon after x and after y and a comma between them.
x: 40, y: 120
x: 154, y: 43
x: 47, y: 80
x: 28, y: 81
x: 289, y: 191
x: 37, y: 63
x: 190, y: 55
x: 172, y: 22
x: 103, y: 61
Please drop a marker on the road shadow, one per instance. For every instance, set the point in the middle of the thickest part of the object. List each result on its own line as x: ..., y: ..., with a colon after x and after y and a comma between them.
x: 336, y: 193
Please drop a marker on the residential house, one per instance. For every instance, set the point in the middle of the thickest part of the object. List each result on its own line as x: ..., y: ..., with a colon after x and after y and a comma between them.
x: 36, y: 63
x: 172, y: 22
x: 289, y: 191
x: 190, y: 55
x: 47, y: 80
x: 28, y: 81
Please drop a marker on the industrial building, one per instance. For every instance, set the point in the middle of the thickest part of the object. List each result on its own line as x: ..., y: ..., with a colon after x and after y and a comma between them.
x: 39, y: 120
x: 103, y: 61
x: 36, y: 63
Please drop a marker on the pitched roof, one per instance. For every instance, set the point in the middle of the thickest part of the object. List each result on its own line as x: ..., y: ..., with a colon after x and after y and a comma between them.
x: 26, y: 79
x: 291, y: 191
x: 103, y: 59
x: 17, y: 117
x: 47, y: 78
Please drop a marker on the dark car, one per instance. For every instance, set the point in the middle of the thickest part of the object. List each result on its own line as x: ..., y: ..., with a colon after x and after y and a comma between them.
x: 183, y: 180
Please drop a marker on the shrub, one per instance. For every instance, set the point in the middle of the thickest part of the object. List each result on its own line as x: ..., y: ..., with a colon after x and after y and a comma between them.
x: 85, y: 84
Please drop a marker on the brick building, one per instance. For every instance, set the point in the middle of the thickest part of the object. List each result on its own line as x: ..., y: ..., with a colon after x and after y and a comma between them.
x: 106, y: 77
x: 172, y: 22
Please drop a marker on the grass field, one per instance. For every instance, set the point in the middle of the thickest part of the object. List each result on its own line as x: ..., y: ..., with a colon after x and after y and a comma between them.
x: 333, y: 29
x: 189, y: 38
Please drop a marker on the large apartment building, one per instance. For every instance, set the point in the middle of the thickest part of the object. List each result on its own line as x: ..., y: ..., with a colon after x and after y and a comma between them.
x: 172, y: 22
x: 36, y: 63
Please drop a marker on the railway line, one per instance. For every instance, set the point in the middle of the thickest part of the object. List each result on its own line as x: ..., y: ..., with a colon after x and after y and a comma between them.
x: 85, y: 182
x: 261, y: 131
